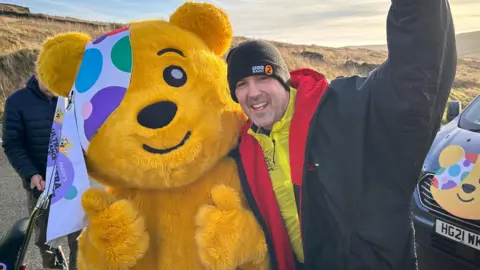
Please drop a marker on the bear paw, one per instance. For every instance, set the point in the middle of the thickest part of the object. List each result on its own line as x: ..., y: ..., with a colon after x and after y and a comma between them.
x: 115, y: 237
x: 451, y: 155
x: 228, y: 235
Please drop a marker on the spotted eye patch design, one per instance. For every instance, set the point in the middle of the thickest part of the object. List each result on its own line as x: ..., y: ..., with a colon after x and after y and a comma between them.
x: 451, y: 177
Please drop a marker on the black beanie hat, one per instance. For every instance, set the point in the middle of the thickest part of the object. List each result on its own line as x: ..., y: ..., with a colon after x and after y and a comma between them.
x: 256, y: 57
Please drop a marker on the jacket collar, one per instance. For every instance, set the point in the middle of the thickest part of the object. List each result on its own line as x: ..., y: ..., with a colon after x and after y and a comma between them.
x: 32, y: 85
x: 307, y: 81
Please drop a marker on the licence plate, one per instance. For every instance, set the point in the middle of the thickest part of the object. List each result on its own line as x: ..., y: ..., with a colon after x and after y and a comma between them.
x: 457, y: 234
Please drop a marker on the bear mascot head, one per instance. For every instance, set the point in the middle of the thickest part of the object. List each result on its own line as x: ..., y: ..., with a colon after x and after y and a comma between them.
x: 156, y: 124
x: 456, y: 184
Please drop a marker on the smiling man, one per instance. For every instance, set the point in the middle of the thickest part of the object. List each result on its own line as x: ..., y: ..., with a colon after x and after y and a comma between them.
x: 329, y: 169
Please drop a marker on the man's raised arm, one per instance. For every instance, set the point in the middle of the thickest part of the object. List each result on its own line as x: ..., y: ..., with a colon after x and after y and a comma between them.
x: 417, y: 77
x: 409, y: 91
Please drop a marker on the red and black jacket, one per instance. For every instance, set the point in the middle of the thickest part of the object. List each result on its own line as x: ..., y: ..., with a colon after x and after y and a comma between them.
x: 310, y: 87
x: 356, y: 150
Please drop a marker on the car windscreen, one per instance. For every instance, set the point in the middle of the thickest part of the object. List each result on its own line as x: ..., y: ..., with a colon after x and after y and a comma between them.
x: 470, y: 118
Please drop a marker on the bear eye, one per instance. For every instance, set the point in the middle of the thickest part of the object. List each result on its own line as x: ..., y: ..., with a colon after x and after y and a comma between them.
x: 175, y: 76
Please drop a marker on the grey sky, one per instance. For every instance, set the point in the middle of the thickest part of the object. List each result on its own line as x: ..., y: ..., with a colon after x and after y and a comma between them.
x: 327, y: 22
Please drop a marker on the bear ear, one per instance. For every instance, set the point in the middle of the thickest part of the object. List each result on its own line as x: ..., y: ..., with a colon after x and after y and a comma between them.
x: 208, y: 22
x: 59, y: 61
x: 450, y: 155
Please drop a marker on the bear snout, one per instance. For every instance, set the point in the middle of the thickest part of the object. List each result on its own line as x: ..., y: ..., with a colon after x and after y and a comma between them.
x: 157, y: 115
x: 467, y: 188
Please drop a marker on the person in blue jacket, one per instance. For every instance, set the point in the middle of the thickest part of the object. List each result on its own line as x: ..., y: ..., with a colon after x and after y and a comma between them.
x: 27, y: 123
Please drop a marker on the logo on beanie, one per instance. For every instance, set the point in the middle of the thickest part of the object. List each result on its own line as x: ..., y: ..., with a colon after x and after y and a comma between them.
x: 258, y: 69
x: 268, y: 70
x: 262, y: 69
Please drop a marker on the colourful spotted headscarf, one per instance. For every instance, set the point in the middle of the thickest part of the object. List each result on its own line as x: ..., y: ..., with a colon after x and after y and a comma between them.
x: 101, y: 82
x: 99, y: 88
x: 448, y: 178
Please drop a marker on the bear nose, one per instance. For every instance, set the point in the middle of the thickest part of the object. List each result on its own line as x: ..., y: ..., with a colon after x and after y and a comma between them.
x: 157, y: 115
x: 467, y: 188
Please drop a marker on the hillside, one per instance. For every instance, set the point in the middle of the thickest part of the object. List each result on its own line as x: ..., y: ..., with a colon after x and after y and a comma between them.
x: 23, y: 32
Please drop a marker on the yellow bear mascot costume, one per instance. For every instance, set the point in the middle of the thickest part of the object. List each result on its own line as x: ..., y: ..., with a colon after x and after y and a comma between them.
x: 152, y: 104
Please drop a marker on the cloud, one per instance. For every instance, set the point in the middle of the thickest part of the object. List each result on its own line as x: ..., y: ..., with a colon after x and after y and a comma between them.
x: 123, y: 2
x: 329, y: 22
x: 74, y: 10
x: 308, y: 21
x: 466, y: 15
x: 326, y: 22
x: 108, y: 10
x: 464, y: 2
x: 128, y: 10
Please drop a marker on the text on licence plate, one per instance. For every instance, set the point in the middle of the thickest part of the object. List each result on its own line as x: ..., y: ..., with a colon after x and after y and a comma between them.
x: 457, y: 234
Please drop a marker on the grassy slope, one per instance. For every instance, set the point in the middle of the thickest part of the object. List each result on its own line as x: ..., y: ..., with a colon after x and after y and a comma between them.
x: 22, y: 33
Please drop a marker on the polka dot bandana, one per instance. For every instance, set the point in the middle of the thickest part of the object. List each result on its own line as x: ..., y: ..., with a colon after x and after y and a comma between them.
x: 99, y: 88
x: 101, y: 82
x: 448, y: 178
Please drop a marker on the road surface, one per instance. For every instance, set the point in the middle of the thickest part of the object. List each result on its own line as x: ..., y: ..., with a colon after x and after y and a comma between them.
x: 13, y: 207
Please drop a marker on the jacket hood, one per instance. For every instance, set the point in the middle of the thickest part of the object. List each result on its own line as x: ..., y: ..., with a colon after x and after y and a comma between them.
x: 308, y: 80
x: 32, y: 85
